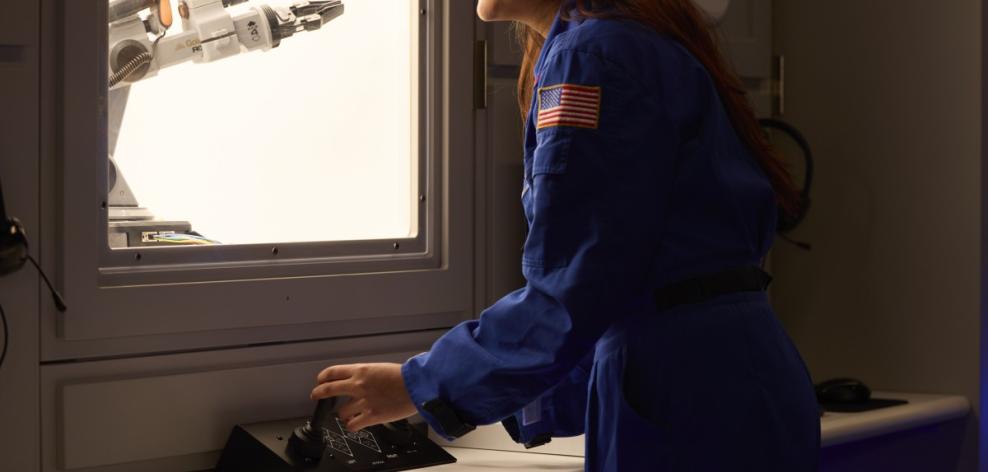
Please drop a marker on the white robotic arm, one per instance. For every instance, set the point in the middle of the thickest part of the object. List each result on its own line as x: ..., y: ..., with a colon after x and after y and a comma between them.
x: 140, y: 46
x: 210, y: 32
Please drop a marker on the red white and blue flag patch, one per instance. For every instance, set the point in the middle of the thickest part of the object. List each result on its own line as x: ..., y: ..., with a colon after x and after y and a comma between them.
x: 569, y: 105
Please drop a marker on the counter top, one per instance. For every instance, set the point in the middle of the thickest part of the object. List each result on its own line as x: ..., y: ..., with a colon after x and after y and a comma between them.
x: 922, y: 410
x: 490, y: 448
x: 470, y: 460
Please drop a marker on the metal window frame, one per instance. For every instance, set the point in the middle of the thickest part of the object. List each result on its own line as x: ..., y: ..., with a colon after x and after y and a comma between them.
x: 207, y: 297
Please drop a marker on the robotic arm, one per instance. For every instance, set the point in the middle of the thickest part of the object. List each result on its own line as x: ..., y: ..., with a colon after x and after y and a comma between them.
x: 210, y: 32
x: 140, y: 46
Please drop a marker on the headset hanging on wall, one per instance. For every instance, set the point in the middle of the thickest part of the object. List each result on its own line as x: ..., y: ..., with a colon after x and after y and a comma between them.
x: 13, y: 242
x: 14, y: 251
x: 13, y: 255
x: 787, y: 223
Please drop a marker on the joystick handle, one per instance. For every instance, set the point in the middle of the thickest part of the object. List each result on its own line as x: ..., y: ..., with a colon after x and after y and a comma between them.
x: 309, y: 440
x: 325, y: 412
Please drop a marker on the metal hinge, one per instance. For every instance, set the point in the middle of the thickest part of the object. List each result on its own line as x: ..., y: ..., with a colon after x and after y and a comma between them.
x: 779, y: 86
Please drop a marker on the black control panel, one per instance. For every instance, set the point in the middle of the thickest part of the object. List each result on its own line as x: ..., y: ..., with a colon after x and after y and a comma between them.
x: 294, y: 445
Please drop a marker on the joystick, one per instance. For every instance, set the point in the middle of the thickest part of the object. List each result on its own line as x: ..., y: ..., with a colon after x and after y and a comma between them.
x: 321, y: 443
x: 308, y: 441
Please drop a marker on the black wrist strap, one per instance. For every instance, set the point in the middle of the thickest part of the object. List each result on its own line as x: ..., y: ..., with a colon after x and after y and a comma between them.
x: 514, y: 430
x: 450, y: 422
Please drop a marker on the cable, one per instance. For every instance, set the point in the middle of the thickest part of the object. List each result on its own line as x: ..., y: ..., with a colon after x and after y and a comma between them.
x: 800, y: 244
x: 142, y: 59
x: 6, y: 336
x: 129, y: 68
x: 57, y: 297
x: 787, y: 223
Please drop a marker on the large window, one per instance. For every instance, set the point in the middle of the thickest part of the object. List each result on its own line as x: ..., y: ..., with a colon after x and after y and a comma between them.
x: 323, y: 187
x: 315, y: 140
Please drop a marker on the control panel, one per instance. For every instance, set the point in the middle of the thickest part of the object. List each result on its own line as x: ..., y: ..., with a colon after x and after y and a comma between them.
x: 323, y: 444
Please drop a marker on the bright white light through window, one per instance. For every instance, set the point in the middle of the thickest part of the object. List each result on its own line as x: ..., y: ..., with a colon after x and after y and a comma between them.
x: 315, y: 140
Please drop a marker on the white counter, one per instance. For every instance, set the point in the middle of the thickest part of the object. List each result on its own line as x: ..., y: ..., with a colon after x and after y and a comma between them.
x: 490, y: 448
x: 470, y: 460
x: 922, y: 410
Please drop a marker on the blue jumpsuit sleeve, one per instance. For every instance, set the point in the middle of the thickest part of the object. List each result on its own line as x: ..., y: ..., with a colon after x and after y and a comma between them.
x: 560, y: 412
x: 598, y: 195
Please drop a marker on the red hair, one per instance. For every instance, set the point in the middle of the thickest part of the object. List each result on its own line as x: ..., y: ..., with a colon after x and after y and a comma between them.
x: 683, y: 21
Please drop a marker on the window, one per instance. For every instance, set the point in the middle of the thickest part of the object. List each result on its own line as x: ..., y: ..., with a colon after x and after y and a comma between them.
x: 347, y: 208
x: 316, y: 140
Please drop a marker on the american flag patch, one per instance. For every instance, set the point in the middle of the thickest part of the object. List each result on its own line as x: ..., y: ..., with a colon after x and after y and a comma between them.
x: 569, y: 105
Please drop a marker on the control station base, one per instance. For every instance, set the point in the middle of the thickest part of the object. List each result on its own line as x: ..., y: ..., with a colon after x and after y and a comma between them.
x: 263, y: 447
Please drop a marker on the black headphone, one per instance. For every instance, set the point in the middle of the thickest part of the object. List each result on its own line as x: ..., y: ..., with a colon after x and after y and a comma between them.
x: 788, y: 222
x: 14, y: 251
x: 13, y: 242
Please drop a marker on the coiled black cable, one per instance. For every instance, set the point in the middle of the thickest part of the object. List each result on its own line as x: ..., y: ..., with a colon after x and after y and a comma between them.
x: 136, y: 63
x: 129, y: 68
x: 787, y: 223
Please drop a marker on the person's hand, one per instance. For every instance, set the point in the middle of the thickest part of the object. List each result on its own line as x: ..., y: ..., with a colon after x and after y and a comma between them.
x: 377, y: 393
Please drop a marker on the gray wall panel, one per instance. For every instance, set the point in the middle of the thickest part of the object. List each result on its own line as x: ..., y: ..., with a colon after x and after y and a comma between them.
x: 19, y: 89
x: 747, y: 33
x: 889, y: 94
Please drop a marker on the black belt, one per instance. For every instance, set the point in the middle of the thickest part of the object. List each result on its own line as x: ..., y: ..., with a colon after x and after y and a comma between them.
x: 706, y: 287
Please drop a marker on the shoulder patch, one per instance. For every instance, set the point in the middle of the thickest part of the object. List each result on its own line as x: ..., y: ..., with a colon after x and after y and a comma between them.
x: 569, y: 105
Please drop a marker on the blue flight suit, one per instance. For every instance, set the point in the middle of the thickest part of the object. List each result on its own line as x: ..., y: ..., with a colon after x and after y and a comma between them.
x: 634, y: 180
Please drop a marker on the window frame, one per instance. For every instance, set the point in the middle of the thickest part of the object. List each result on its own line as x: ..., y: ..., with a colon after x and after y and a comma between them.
x: 169, y: 296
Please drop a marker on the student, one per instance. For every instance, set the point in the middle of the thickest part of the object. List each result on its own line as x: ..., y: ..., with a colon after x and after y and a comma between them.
x: 652, y: 198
